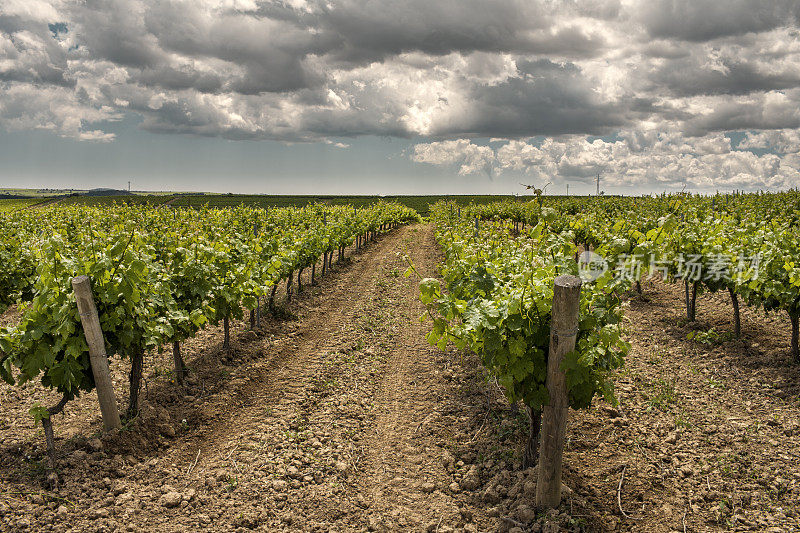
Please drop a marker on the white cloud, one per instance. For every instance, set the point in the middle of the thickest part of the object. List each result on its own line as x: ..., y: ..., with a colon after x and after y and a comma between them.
x: 780, y: 141
x: 36, y: 10
x: 53, y: 109
x: 468, y: 157
x: 653, y: 159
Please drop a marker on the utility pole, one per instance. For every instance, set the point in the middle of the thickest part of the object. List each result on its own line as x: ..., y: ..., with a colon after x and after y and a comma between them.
x: 129, y: 185
x: 567, y: 189
x: 598, y: 184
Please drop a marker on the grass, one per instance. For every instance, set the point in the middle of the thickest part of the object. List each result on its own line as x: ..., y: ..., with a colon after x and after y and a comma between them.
x: 682, y: 421
x: 710, y: 337
x: 656, y: 357
x: 694, y: 369
x: 662, y: 396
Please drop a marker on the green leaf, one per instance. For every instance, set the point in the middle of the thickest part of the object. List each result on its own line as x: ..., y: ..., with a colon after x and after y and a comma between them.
x: 39, y: 413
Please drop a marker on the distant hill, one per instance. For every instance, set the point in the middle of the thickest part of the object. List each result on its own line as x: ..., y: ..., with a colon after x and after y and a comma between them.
x: 107, y: 192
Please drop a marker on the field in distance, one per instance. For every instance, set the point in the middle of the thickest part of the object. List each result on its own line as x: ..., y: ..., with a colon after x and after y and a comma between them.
x: 418, y: 203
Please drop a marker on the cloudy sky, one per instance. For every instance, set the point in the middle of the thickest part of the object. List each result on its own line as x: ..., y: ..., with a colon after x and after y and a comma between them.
x: 412, y: 96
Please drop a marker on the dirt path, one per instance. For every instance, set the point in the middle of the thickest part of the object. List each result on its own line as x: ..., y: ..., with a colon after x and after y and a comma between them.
x: 46, y: 203
x: 403, y: 460
x: 169, y: 202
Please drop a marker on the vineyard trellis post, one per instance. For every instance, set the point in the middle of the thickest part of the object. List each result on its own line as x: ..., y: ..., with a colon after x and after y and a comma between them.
x: 563, y: 334
x: 180, y: 367
x: 81, y: 285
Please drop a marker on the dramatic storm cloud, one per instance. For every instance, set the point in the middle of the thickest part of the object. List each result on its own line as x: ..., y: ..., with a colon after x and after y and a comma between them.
x: 701, y: 93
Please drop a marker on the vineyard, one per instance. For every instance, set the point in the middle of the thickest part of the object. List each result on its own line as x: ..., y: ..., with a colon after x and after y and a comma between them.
x: 421, y: 204
x: 271, y: 370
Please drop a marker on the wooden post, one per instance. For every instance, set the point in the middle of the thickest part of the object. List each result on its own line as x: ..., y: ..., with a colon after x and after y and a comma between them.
x: 563, y: 333
x: 97, y: 351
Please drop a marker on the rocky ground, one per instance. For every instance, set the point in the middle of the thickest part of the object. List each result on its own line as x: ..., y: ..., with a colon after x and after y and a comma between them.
x: 338, y: 416
x: 707, y: 431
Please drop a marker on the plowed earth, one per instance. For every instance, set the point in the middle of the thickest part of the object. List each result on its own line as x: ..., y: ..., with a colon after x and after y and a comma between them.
x: 338, y: 416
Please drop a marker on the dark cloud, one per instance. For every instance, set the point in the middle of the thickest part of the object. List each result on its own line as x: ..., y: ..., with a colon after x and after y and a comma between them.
x: 113, y: 30
x: 772, y: 111
x: 368, y: 31
x: 266, y: 55
x: 544, y: 99
x: 31, y: 53
x: 704, y: 20
x: 662, y: 49
x: 179, y: 78
x: 599, y: 9
x: 727, y: 76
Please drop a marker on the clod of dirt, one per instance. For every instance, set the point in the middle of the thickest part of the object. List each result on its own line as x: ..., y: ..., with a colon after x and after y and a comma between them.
x: 471, y: 480
x: 170, y: 499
